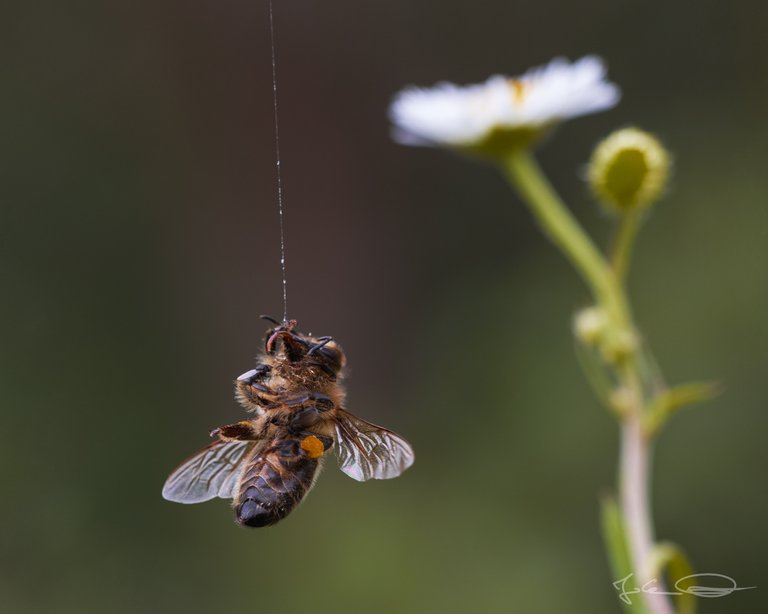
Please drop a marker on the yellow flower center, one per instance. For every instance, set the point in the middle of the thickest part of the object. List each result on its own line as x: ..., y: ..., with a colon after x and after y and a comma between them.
x: 519, y: 90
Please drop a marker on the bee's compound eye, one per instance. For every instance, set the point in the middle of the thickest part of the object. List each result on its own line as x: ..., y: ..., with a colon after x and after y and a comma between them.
x: 248, y: 376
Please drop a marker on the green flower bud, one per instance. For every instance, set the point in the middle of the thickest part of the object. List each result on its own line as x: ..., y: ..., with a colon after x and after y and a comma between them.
x: 589, y: 325
x: 629, y: 170
x: 618, y: 346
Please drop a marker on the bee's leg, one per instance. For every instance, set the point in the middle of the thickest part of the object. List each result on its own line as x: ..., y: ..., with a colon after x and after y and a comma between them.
x: 327, y: 441
x: 252, y: 400
x: 323, y: 402
x: 319, y: 346
x: 259, y: 374
x: 298, y: 400
x: 311, y: 415
x: 239, y: 431
x: 303, y: 419
x: 250, y: 387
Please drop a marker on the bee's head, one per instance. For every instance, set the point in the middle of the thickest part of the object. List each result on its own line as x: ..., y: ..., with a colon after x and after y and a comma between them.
x: 285, y: 343
x: 282, y: 342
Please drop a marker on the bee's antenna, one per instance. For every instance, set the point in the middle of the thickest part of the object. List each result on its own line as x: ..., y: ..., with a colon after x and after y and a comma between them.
x: 270, y: 319
x: 277, y: 157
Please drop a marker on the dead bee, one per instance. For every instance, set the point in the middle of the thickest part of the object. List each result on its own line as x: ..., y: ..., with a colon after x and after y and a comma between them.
x: 267, y: 464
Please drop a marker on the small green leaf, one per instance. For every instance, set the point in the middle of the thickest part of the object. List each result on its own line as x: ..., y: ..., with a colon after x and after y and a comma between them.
x: 670, y: 558
x: 614, y: 534
x: 670, y: 401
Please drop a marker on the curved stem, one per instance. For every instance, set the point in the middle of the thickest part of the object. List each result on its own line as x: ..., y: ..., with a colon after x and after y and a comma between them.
x: 604, y: 281
x: 563, y: 229
x: 623, y: 243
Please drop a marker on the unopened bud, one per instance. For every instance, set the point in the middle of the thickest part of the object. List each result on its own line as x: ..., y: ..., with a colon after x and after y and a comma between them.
x: 618, y: 346
x: 629, y: 170
x: 589, y: 324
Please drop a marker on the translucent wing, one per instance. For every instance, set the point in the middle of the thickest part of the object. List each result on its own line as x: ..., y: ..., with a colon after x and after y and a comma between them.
x: 212, y: 472
x: 368, y: 451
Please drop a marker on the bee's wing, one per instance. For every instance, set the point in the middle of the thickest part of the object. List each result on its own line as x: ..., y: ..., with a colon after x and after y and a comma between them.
x: 212, y: 472
x: 368, y: 451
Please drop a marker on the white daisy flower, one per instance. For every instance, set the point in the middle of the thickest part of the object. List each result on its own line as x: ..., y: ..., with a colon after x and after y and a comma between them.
x: 501, y: 113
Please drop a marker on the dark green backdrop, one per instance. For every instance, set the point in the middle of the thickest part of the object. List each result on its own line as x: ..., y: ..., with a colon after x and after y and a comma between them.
x: 139, y: 241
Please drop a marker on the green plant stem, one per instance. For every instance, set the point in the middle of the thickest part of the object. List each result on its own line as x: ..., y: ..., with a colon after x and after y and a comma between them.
x: 567, y: 234
x: 623, y: 242
x: 634, y: 486
x: 564, y: 231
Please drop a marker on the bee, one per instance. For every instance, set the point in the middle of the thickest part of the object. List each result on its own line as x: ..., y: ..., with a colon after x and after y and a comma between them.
x: 268, y: 464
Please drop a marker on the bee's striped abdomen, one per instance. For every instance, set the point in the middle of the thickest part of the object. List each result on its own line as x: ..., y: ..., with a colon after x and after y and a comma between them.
x: 275, y: 482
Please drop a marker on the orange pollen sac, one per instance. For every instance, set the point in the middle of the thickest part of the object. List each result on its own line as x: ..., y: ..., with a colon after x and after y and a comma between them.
x: 312, y: 446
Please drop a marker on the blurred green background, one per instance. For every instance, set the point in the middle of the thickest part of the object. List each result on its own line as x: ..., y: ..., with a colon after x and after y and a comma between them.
x: 140, y: 241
